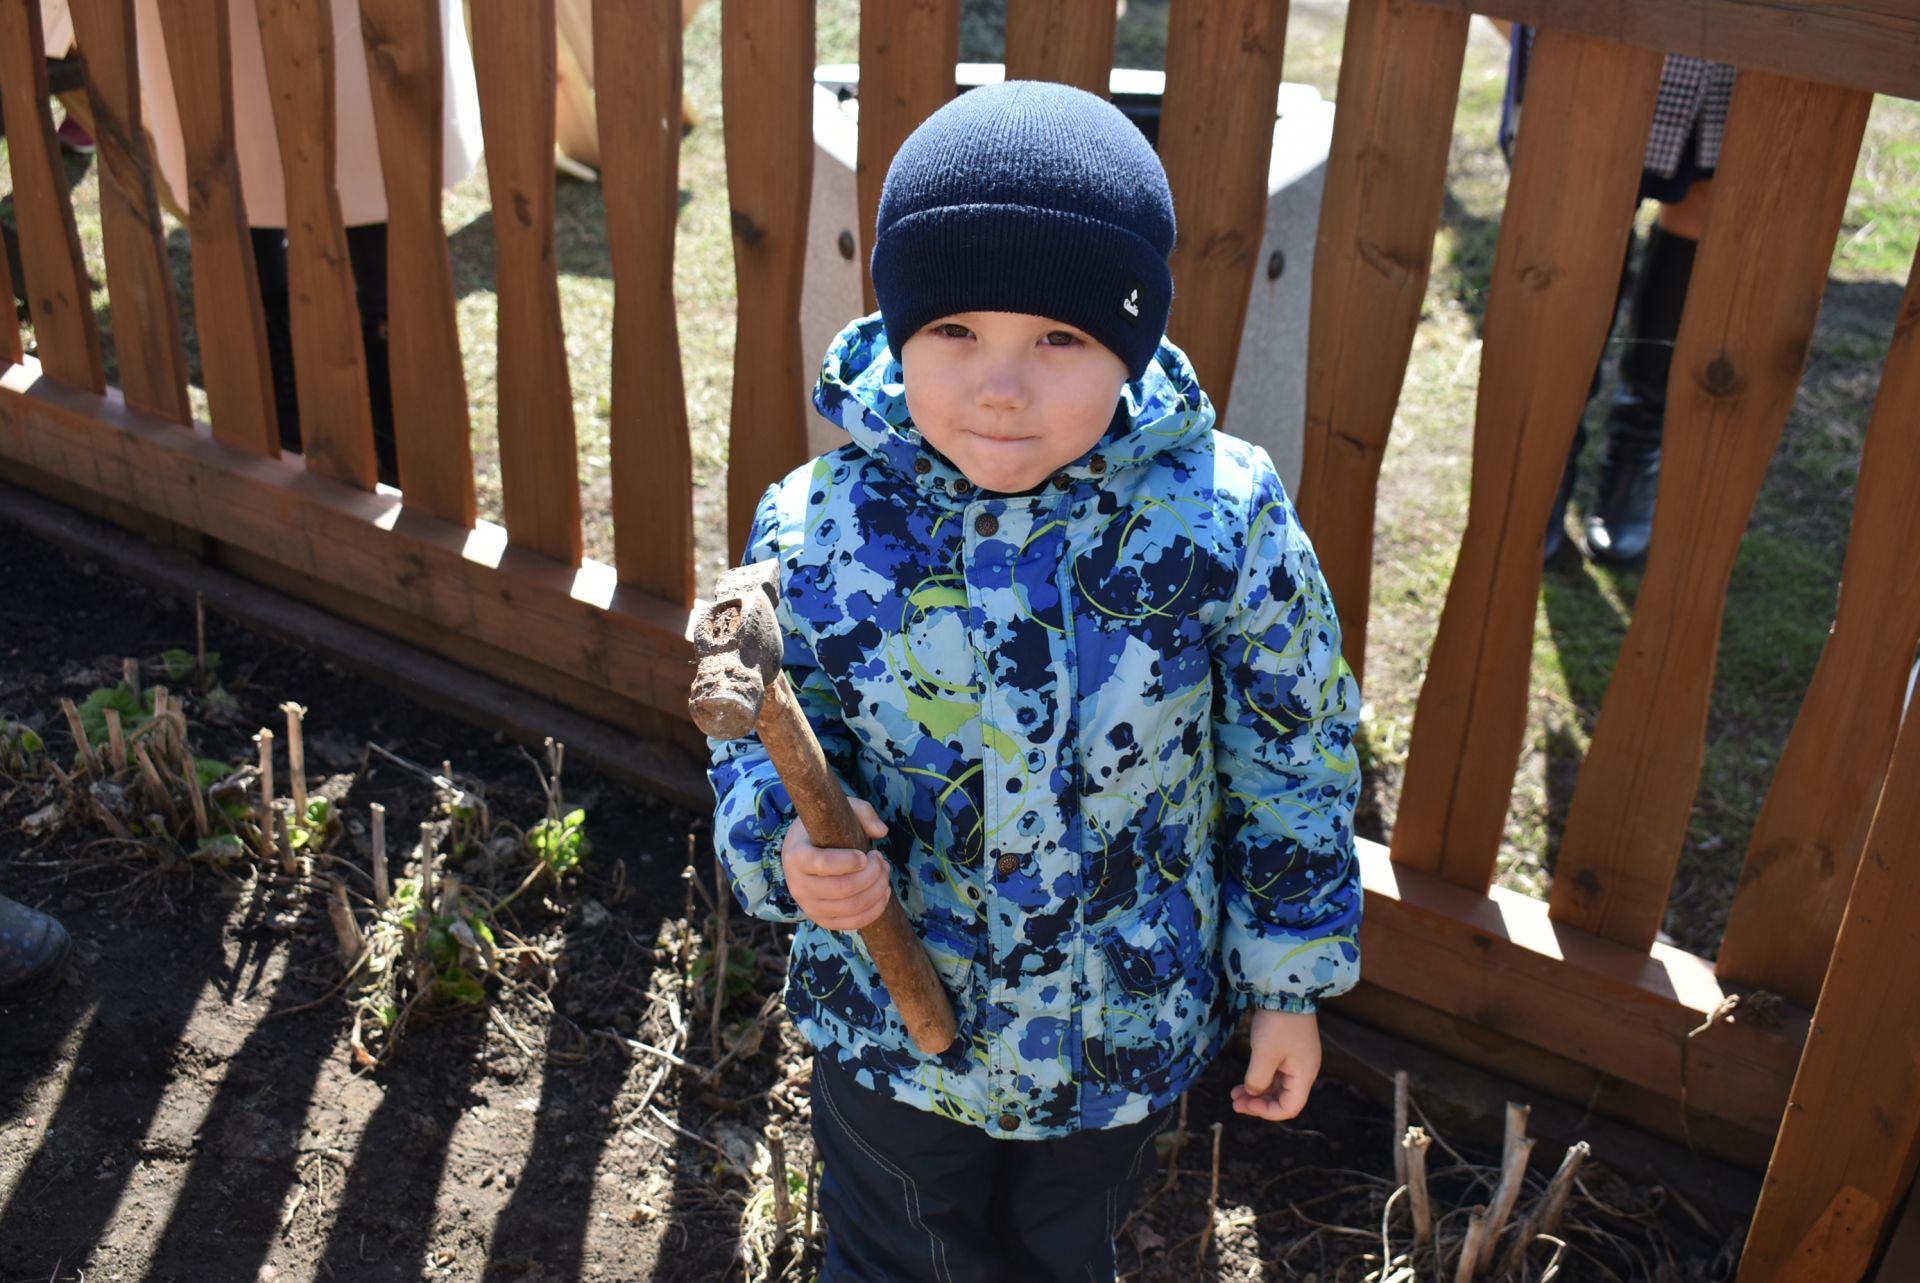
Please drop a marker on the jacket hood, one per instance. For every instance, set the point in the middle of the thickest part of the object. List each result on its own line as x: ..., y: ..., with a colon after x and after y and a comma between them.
x: 862, y: 388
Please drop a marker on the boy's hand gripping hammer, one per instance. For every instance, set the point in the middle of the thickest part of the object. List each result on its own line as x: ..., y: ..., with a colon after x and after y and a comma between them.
x: 740, y: 687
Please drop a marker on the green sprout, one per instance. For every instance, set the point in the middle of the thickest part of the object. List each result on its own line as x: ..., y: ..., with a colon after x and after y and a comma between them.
x: 181, y: 664
x: 559, y: 843
x: 135, y: 711
x: 17, y: 744
x: 318, y: 827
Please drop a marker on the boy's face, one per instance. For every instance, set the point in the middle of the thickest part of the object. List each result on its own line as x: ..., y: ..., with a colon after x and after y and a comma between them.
x: 1009, y: 398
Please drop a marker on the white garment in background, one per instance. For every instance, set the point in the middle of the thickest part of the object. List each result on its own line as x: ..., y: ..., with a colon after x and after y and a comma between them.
x: 363, y: 197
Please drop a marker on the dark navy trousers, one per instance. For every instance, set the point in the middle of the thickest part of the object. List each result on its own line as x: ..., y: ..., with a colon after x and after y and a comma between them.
x: 911, y: 1196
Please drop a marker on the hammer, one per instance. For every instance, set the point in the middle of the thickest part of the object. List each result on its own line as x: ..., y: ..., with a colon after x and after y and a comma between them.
x: 740, y: 687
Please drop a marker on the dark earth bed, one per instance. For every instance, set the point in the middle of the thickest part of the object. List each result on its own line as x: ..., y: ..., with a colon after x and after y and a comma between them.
x: 188, y: 1107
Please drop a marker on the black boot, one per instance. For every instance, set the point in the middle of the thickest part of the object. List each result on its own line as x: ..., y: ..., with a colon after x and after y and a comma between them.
x: 1556, y: 543
x: 33, y: 951
x: 1556, y: 540
x: 1621, y: 524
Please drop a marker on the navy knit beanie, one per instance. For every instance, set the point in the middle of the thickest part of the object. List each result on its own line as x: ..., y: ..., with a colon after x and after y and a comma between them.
x: 1028, y: 197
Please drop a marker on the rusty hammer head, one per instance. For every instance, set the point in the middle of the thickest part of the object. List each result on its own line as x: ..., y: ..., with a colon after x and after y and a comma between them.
x: 739, y: 645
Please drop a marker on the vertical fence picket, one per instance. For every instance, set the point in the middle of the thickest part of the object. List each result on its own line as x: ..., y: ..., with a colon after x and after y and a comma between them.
x: 1569, y: 214
x: 767, y: 74
x: 146, y: 311
x: 405, y: 52
x: 1066, y: 40
x: 57, y: 295
x: 514, y: 52
x: 639, y: 115
x: 1800, y: 862
x: 908, y: 49
x: 226, y: 289
x: 330, y: 369
x: 1755, y: 294
x: 1216, y: 139
x: 1850, y: 1139
x: 1386, y: 170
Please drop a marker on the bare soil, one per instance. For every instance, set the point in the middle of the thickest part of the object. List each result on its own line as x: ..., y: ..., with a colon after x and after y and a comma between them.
x: 188, y: 1106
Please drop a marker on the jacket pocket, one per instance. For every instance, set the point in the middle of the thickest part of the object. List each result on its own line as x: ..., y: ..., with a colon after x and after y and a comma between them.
x: 1155, y: 994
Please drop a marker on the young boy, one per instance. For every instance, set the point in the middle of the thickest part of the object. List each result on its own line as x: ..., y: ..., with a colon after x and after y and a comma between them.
x: 1072, y: 655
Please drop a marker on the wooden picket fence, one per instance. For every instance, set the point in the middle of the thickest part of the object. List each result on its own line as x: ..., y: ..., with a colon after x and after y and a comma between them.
x: 1574, y: 995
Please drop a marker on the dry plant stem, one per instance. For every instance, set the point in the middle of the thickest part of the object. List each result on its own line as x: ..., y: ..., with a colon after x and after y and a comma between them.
x: 1173, y: 1150
x: 381, y: 888
x: 130, y: 675
x: 269, y: 804
x: 1469, y: 1265
x: 116, y: 741
x: 201, y: 828
x: 346, y: 932
x: 155, y: 787
x: 88, y: 761
x: 1515, y: 1152
x: 161, y: 717
x: 1554, y: 1204
x: 1544, y: 1219
x: 429, y: 875
x: 1413, y: 1155
x: 1401, y: 1085
x: 1213, y: 1203
x: 200, y: 634
x: 296, y: 758
x: 1386, y: 1224
x: 86, y: 798
x: 782, y: 1203
x: 720, y: 943
x: 813, y: 1184
x: 688, y: 875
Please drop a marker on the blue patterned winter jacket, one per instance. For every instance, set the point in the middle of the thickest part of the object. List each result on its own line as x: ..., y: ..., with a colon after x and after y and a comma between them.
x: 1109, y: 727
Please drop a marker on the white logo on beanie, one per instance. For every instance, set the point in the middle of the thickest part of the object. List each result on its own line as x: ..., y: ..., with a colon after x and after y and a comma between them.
x: 1131, y: 303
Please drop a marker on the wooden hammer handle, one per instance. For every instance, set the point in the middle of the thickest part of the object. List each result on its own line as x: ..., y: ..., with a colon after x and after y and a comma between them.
x: 897, y: 952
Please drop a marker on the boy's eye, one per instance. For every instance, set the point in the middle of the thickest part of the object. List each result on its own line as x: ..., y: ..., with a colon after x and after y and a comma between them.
x: 1060, y: 338
x: 952, y: 330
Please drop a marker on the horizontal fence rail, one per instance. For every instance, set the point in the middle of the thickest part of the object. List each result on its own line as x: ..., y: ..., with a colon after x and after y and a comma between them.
x: 1575, y: 995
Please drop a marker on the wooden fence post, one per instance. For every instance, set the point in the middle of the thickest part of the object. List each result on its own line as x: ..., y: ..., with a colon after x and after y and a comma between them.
x: 1386, y: 169
x: 1784, y: 172
x: 908, y: 49
x: 330, y: 367
x: 514, y: 53
x: 639, y: 115
x: 1216, y: 140
x: 1850, y: 1138
x: 146, y: 310
x: 1569, y: 213
x: 1801, y: 860
x: 767, y: 75
x: 1070, y: 41
x: 405, y: 54
x: 57, y: 293
x: 226, y: 288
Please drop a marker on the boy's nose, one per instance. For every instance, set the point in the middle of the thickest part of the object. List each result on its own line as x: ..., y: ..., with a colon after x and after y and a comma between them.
x: 1003, y: 387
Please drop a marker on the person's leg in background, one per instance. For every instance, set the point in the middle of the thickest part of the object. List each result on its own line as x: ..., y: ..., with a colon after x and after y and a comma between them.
x: 276, y: 303
x: 367, y: 249
x: 1620, y: 527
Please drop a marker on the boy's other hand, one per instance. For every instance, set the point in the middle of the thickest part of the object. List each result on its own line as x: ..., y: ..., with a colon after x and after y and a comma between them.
x: 1282, y: 1066
x: 840, y: 889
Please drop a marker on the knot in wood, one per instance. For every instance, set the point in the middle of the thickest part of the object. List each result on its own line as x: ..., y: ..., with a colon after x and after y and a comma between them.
x: 1720, y: 379
x: 1538, y: 277
x: 749, y: 232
